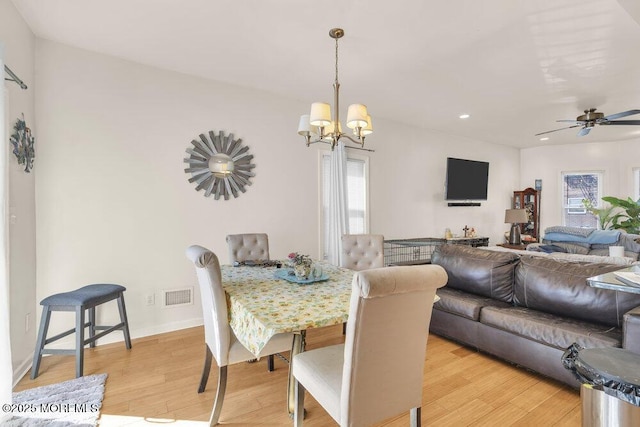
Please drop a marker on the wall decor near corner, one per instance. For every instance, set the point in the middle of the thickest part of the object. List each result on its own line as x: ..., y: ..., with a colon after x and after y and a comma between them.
x: 219, y: 165
x: 23, y: 144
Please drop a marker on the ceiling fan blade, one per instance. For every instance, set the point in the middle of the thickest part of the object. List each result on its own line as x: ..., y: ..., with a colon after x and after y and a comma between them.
x: 623, y: 122
x: 555, y: 130
x: 584, y: 131
x: 623, y: 114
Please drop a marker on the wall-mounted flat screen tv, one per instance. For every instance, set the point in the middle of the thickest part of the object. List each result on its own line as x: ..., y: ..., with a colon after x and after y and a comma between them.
x: 466, y: 179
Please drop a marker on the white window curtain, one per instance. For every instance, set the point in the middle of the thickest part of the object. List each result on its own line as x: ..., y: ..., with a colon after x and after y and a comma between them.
x: 357, y: 196
x: 6, y: 376
x: 338, y: 221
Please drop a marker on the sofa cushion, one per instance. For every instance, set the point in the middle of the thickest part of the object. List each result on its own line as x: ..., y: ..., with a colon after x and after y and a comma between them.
x: 629, y: 257
x: 560, y: 287
x: 464, y: 304
x: 486, y: 273
x: 549, y: 329
x: 595, y: 257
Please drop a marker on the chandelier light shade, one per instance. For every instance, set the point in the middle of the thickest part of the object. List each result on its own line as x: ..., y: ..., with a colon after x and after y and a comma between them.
x: 320, y: 114
x: 368, y: 129
x: 320, y: 126
x: 357, y: 116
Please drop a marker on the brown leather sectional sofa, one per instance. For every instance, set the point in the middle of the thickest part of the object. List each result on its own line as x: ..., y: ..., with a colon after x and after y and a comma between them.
x: 528, y: 310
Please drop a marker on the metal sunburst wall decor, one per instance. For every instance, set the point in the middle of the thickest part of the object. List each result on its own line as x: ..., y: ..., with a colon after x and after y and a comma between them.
x: 220, y: 165
x: 23, y: 144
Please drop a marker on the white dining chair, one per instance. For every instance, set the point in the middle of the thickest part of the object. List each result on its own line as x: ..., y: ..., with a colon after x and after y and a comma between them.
x: 248, y: 247
x: 362, y: 251
x: 378, y: 372
x: 220, y: 340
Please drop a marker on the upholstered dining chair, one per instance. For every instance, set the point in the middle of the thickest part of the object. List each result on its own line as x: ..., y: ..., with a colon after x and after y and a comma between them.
x: 248, y: 247
x: 362, y: 251
x: 220, y: 340
x: 389, y: 315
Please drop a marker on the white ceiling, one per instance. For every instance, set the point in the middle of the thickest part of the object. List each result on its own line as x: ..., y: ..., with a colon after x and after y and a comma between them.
x: 515, y: 65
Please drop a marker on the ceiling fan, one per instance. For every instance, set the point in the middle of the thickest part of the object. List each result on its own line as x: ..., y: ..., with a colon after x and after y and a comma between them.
x: 591, y: 117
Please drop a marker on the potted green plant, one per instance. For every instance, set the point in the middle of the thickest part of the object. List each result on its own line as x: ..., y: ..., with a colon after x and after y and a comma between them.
x: 605, y: 214
x: 627, y: 217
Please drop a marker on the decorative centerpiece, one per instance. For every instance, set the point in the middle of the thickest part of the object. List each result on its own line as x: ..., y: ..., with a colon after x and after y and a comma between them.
x: 301, y: 265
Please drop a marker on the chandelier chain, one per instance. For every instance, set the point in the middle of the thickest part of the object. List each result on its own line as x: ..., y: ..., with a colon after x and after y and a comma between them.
x: 336, y: 60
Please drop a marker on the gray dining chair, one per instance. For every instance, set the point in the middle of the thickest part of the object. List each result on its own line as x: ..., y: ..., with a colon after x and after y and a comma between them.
x: 248, y: 247
x: 362, y: 251
x: 389, y: 316
x: 221, y: 342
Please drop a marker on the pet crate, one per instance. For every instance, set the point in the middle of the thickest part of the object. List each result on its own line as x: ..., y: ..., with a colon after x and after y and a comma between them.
x: 410, y: 251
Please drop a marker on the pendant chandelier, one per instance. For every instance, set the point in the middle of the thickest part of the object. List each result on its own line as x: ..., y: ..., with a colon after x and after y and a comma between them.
x: 319, y: 126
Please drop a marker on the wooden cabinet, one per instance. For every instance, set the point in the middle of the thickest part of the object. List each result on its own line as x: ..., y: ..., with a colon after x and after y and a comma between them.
x: 529, y: 199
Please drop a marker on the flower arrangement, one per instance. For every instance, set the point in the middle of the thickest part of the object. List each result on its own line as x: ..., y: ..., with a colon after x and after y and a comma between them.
x: 297, y: 259
x: 301, y: 265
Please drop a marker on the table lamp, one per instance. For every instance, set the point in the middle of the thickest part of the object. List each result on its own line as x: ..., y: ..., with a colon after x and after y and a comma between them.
x: 515, y: 217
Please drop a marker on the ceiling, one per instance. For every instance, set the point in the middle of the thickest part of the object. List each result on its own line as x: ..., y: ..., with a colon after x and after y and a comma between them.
x: 516, y: 66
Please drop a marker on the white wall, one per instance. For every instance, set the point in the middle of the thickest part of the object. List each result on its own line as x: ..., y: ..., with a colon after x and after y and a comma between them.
x: 616, y: 159
x: 19, y: 44
x: 114, y: 204
x: 408, y: 185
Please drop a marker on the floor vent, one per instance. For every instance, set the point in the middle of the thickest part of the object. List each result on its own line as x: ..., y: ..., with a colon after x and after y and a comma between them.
x: 177, y: 297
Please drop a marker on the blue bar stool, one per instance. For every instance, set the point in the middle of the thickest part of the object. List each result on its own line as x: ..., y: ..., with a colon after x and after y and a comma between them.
x: 85, y: 298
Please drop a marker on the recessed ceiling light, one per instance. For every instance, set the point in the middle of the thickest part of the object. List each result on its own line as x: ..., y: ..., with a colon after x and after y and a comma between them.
x: 464, y: 116
x: 544, y: 138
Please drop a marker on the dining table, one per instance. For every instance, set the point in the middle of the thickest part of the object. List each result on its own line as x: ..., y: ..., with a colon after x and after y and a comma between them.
x: 264, y: 300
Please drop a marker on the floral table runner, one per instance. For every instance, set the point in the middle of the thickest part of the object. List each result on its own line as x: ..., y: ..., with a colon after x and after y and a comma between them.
x: 261, y: 305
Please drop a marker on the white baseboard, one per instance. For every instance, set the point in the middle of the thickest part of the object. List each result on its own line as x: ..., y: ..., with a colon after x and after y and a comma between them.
x: 25, y: 365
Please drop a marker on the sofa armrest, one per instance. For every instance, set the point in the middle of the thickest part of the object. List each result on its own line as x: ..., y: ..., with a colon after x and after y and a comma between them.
x: 631, y: 330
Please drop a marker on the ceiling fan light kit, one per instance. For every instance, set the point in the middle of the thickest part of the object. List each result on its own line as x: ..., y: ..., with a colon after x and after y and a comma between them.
x: 591, y: 117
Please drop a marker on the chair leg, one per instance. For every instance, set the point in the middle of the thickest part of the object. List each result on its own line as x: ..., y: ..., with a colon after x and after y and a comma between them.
x: 270, y: 367
x: 298, y: 412
x: 123, y: 319
x: 416, y: 415
x: 79, y: 341
x: 92, y: 326
x: 42, y: 337
x: 208, y: 355
x: 222, y: 386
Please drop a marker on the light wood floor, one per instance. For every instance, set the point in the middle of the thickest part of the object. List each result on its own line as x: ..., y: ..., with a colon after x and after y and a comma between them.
x: 156, y: 383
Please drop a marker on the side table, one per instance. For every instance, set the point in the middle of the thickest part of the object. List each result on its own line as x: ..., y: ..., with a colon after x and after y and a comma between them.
x: 521, y: 247
x: 610, y: 281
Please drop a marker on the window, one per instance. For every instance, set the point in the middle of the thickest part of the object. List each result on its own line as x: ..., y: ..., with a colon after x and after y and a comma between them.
x: 357, y: 195
x: 576, y: 187
x: 575, y: 206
